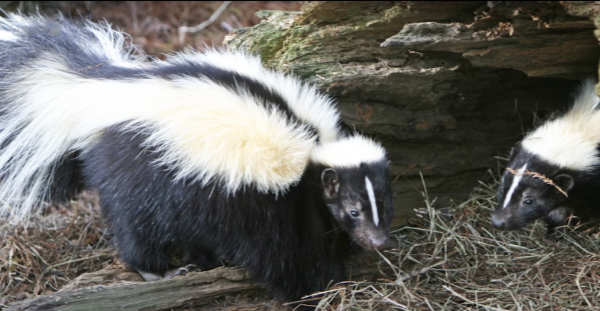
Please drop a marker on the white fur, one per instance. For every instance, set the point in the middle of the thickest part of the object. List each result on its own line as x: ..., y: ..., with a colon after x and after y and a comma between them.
x: 304, y: 100
x: 109, y: 43
x: 515, y: 182
x: 12, y: 24
x: 9, y: 27
x: 372, y: 200
x: 204, y: 130
x: 348, y: 152
x: 246, y: 145
x: 7, y: 36
x: 570, y: 141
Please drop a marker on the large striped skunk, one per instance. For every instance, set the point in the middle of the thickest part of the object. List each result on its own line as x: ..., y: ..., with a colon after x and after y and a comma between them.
x: 555, y: 171
x: 203, y: 157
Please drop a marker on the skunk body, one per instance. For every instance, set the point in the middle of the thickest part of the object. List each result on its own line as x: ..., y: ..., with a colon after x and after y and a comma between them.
x: 555, y: 171
x: 204, y: 157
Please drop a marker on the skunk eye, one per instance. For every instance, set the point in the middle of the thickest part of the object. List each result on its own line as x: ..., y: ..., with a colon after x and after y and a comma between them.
x: 527, y: 202
x: 354, y: 214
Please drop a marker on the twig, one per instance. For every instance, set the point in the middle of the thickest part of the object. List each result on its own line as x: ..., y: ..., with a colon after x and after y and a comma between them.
x: 422, y: 271
x: 185, y: 29
x: 539, y: 176
x: 577, y: 281
x: 453, y: 292
x: 387, y: 299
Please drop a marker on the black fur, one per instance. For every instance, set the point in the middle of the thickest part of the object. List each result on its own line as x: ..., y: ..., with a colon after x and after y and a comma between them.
x: 546, y: 201
x: 295, y: 242
x: 290, y: 242
x: 67, y: 180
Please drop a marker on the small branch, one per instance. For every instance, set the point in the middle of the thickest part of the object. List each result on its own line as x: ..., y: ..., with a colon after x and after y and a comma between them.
x: 577, y: 281
x: 184, y: 29
x: 421, y: 271
x: 539, y: 176
x: 448, y: 288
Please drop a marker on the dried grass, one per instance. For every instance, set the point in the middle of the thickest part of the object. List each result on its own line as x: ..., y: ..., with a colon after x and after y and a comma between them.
x: 458, y: 262
x: 44, y: 254
x: 447, y: 259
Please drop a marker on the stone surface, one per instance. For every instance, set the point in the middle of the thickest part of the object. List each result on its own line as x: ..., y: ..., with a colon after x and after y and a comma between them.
x: 445, y: 86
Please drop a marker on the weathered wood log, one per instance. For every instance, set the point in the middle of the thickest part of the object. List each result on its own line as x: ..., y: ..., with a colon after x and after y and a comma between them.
x: 116, y: 288
x: 446, y: 86
x: 194, y: 289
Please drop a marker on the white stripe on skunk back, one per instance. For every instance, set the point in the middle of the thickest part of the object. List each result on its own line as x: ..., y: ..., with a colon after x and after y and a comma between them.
x: 53, y: 103
x: 306, y: 102
x: 570, y: 141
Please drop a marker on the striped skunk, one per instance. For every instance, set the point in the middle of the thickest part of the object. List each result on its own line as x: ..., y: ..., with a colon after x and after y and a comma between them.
x: 203, y: 157
x: 554, y: 172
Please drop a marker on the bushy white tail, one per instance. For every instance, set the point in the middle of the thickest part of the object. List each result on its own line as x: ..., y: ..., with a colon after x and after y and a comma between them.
x: 62, y: 85
x: 571, y: 140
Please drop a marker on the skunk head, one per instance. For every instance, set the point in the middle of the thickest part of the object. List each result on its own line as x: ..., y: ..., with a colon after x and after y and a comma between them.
x: 356, y: 188
x: 531, y: 188
x: 549, y: 162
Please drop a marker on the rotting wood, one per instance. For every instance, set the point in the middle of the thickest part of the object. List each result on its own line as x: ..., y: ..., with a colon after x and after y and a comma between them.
x: 194, y: 289
x: 116, y: 288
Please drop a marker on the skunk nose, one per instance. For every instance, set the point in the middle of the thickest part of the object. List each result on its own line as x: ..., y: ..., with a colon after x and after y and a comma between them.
x: 497, y: 222
x: 377, y: 243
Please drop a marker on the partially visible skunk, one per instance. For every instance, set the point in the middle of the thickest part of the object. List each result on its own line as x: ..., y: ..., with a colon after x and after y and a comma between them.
x: 206, y: 156
x: 555, y: 171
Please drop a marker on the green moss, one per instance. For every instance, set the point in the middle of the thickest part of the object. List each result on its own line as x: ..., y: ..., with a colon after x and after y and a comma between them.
x: 267, y: 14
x: 267, y: 37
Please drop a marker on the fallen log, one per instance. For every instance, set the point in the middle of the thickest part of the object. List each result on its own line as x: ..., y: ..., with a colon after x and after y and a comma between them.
x: 195, y: 289
x: 117, y: 288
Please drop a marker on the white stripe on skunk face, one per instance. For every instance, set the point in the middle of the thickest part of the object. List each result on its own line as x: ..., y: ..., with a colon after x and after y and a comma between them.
x: 372, y: 201
x: 523, y: 196
x: 515, y: 182
x: 360, y: 204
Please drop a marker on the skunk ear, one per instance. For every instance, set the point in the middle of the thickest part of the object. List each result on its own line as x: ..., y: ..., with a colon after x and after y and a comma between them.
x: 565, y: 182
x: 331, y: 184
